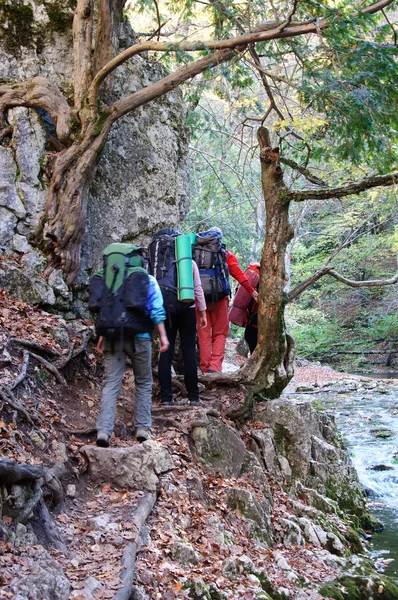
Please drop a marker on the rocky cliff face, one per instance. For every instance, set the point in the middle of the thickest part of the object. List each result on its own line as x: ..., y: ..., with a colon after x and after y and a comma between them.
x: 141, y: 179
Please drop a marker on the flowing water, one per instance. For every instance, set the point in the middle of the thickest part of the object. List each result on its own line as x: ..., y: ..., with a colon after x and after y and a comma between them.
x: 368, y: 421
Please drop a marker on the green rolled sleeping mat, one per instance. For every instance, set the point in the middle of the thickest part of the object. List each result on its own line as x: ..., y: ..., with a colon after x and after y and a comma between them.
x: 185, y: 289
x: 193, y: 237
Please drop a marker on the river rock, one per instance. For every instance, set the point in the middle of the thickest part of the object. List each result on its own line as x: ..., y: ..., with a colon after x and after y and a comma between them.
x: 135, y: 467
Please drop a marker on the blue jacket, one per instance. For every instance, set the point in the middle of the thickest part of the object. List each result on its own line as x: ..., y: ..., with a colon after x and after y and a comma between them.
x: 154, y: 306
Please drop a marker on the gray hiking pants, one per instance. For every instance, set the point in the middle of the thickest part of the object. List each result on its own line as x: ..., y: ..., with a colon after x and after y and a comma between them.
x: 115, y: 364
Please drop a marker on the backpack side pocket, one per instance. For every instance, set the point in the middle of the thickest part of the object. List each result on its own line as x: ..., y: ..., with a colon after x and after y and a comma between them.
x: 96, y: 292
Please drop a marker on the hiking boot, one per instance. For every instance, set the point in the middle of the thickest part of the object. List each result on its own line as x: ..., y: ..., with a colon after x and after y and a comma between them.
x: 166, y: 403
x: 212, y: 371
x: 142, y: 435
x: 103, y: 439
x: 197, y: 402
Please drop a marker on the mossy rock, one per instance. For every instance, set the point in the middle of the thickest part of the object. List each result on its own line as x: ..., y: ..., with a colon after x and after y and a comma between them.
x: 360, y: 588
x: 382, y: 433
x: 353, y: 538
x: 17, y: 27
x: 60, y: 19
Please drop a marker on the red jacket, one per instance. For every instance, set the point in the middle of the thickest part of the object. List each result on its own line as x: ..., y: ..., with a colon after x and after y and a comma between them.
x: 237, y: 272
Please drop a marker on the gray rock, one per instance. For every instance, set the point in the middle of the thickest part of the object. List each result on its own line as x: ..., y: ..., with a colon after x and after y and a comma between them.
x: 265, y: 440
x: 41, y: 578
x: 90, y: 586
x: 184, y: 553
x: 219, y: 446
x: 29, y: 142
x: 252, y: 509
x: 56, y: 281
x: 314, y: 534
x: 28, y: 287
x: 24, y: 537
x: 20, y: 244
x: 37, y: 440
x: 8, y: 222
x: 289, y: 532
x: 135, y: 467
x: 71, y: 490
x: 100, y: 522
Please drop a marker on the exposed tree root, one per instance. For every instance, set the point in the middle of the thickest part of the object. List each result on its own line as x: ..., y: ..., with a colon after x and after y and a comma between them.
x: 7, y: 397
x: 141, y: 514
x: 35, y: 510
x: 50, y: 367
x: 13, y: 472
x: 35, y: 346
x: 23, y: 372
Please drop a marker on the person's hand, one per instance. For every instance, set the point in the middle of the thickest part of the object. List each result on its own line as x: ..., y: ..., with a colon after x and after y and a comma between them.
x: 255, y: 295
x: 100, y: 345
x: 203, y: 320
x: 164, y: 343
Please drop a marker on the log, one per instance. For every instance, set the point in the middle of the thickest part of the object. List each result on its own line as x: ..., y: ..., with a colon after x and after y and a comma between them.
x: 141, y: 514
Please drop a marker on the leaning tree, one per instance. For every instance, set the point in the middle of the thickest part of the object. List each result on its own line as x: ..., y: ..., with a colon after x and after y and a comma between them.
x: 82, y: 130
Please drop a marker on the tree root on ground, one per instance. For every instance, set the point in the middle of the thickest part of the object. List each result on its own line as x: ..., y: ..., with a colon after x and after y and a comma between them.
x: 23, y: 372
x: 50, y: 367
x: 8, y: 398
x: 141, y: 514
x: 35, y: 346
x: 32, y: 478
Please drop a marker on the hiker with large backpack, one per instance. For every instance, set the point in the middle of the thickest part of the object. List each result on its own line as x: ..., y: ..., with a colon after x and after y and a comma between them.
x: 215, y: 264
x: 243, y: 311
x: 181, y: 317
x: 128, y: 303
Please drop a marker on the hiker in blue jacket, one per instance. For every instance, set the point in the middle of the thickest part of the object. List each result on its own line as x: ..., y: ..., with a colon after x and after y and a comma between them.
x: 139, y: 350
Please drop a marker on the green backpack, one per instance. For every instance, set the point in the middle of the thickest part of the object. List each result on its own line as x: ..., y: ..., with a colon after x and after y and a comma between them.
x: 119, y: 293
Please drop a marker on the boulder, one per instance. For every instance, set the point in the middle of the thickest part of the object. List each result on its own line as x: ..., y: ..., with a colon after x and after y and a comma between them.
x: 134, y: 467
x: 25, y: 286
x: 219, y: 446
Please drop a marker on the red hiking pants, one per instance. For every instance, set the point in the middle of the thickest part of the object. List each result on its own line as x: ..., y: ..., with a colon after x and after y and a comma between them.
x: 212, y: 339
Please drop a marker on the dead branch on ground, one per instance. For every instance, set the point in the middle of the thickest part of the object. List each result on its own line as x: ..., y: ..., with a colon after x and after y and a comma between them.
x: 141, y: 514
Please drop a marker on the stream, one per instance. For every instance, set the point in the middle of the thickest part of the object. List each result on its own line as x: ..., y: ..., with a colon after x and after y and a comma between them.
x: 368, y: 421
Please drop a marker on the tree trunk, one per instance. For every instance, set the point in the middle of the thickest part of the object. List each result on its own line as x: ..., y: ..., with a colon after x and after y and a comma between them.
x: 61, y: 229
x: 271, y: 366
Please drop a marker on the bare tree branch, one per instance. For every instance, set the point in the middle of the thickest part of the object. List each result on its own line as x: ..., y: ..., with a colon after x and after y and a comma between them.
x: 303, y: 171
x: 301, y: 287
x: 345, y: 190
x: 368, y: 283
x: 263, y: 32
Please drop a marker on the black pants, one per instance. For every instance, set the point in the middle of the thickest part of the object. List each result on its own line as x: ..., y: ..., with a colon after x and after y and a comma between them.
x: 183, y: 322
x: 251, y: 334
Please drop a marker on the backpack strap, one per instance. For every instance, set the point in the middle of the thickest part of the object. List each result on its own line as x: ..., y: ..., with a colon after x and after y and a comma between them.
x: 124, y: 315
